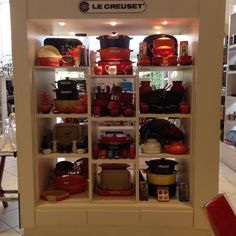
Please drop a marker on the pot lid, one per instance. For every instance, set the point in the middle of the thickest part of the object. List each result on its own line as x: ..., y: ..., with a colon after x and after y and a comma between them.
x: 161, y: 161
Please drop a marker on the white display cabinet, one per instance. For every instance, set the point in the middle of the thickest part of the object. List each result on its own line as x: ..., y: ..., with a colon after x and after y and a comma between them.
x: 90, y: 213
x: 228, y: 149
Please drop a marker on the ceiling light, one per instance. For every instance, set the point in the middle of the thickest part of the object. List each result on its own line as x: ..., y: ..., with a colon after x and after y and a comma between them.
x: 165, y: 22
x: 157, y: 27
x: 113, y: 23
x: 158, y: 32
x: 61, y: 23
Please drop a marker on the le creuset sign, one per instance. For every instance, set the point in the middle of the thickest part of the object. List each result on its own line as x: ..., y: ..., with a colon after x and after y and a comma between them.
x: 112, y: 6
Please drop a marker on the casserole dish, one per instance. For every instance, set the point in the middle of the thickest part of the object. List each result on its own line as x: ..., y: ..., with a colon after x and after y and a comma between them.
x: 159, y: 179
x: 115, y: 54
x: 161, y: 166
x: 114, y: 179
x: 114, y: 40
x: 114, y: 138
x: 70, y: 183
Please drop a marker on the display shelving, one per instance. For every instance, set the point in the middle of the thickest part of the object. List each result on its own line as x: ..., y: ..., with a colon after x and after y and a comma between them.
x: 192, y: 20
x: 228, y: 151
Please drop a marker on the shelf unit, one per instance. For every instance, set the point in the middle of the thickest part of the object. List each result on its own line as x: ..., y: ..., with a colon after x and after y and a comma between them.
x: 43, y: 121
x: 90, y: 214
x: 228, y: 152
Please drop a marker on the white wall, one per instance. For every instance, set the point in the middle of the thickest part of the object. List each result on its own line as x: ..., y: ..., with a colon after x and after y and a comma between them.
x: 5, y: 29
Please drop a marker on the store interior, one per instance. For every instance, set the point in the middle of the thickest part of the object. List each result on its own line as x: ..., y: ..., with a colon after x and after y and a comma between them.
x: 47, y: 133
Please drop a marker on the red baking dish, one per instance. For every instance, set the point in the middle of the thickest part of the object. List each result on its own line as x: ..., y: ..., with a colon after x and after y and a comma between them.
x: 70, y: 183
x: 123, y: 67
x: 54, y: 195
x: 115, y: 53
x: 114, y: 138
x: 49, y: 61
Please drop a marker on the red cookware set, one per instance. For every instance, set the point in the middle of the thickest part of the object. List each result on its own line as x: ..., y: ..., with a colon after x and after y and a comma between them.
x: 162, y: 50
x: 114, y: 55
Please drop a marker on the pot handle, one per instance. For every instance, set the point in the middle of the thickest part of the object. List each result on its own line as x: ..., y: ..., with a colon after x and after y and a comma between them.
x: 106, y: 68
x: 150, y: 46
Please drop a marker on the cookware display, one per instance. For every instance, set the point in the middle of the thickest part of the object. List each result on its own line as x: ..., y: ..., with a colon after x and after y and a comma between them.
x: 114, y: 55
x: 161, y: 173
x: 109, y: 182
x: 114, y: 40
x: 70, y: 183
x: 49, y: 56
x: 176, y: 148
x: 166, y: 100
x: 113, y: 101
x: 71, y: 96
x: 114, y: 145
x: 162, y: 130
x: 123, y: 67
x: 62, y: 44
x: 162, y: 50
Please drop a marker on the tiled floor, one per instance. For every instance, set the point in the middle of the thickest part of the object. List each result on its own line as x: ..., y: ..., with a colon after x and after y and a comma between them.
x: 9, y: 220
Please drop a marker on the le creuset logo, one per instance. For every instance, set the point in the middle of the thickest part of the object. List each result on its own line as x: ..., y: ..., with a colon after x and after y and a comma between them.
x: 112, y: 6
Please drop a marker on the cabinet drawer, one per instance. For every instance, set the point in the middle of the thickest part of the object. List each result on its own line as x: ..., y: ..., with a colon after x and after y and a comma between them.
x: 113, y: 217
x: 61, y: 217
x: 160, y: 218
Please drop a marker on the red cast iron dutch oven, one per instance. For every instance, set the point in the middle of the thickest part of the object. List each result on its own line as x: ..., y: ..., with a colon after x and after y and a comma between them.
x: 115, y: 54
x: 70, y: 183
x: 123, y: 67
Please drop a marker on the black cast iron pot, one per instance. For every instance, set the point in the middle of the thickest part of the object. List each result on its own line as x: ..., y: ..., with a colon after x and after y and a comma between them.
x: 114, y: 40
x: 161, y: 166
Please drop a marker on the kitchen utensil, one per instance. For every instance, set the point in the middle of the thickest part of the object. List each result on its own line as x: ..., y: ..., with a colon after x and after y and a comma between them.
x: 161, y: 179
x: 97, y: 70
x: 118, y: 65
x: 114, y: 40
x: 49, y: 61
x: 71, y: 183
x: 151, y: 146
x: 115, y: 54
x: 62, y: 44
x: 149, y: 39
x: 109, y: 179
x: 111, y: 70
x: 161, y: 166
x: 65, y: 133
x: 176, y: 148
x: 114, y: 138
x: 66, y: 106
x: 185, y: 60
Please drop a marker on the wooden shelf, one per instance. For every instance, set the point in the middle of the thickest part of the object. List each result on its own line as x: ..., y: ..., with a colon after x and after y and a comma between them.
x: 109, y: 118
x: 174, y: 115
x: 113, y: 76
x: 62, y: 68
x: 164, y: 155
x: 67, y: 203
x: 115, y: 128
x: 164, y: 68
x: 62, y: 115
x: 100, y: 161
x: 62, y: 155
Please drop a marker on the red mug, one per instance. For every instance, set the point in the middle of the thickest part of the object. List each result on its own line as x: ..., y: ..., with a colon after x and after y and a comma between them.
x: 97, y: 70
